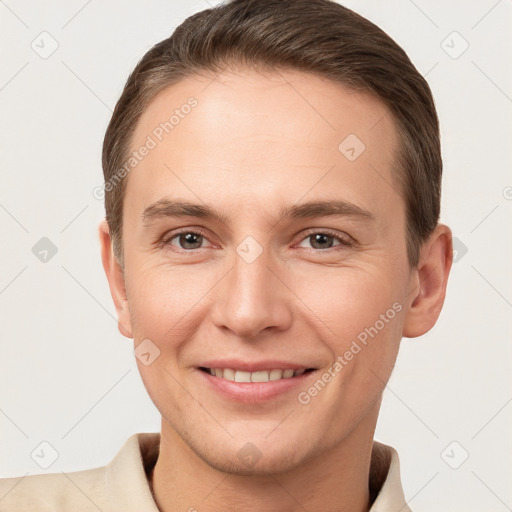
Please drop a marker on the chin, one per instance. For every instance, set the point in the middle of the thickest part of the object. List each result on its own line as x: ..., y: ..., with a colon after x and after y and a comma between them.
x: 251, y: 461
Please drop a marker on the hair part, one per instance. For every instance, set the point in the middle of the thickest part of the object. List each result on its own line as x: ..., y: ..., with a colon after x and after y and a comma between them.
x: 315, y: 36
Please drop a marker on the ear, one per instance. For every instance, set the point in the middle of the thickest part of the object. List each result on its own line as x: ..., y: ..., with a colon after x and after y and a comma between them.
x: 114, y: 273
x: 428, y: 283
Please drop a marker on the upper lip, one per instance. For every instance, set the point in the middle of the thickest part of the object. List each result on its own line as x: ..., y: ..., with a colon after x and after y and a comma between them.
x: 253, y: 366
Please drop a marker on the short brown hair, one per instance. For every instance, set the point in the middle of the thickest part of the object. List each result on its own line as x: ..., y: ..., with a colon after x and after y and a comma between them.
x: 317, y: 36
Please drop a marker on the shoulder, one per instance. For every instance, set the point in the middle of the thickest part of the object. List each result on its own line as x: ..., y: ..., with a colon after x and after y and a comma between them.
x: 120, y: 485
x: 78, y: 490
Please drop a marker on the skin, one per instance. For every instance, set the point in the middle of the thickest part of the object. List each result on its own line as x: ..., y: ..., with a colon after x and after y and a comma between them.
x: 256, y: 143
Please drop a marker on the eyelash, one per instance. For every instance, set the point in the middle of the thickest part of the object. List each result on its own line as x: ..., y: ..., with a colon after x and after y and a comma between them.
x: 344, y: 241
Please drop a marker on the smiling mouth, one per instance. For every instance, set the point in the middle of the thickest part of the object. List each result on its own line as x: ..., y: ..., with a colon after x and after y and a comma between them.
x: 259, y: 376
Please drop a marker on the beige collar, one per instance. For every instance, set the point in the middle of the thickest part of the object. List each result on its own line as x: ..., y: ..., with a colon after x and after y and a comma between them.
x: 135, y: 460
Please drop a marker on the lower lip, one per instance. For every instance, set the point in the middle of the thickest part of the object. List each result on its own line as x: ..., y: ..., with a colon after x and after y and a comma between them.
x: 253, y: 392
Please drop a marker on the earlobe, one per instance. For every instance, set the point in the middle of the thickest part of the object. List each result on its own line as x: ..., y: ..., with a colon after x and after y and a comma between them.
x: 428, y: 283
x: 115, y: 278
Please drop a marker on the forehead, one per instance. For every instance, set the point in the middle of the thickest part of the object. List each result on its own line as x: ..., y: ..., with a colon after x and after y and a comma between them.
x: 264, y: 135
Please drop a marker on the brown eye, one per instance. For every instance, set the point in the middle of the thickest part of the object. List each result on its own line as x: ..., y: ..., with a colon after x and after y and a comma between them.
x: 321, y: 241
x: 188, y: 240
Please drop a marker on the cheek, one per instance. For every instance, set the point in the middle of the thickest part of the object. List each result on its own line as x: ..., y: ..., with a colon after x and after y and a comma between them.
x: 162, y: 299
x: 346, y: 301
x: 359, y: 314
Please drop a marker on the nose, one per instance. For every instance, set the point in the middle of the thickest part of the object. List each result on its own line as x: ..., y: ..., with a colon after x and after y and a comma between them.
x: 252, y: 298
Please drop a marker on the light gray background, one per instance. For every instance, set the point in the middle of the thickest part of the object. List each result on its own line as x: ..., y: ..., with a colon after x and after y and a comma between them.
x: 69, y: 378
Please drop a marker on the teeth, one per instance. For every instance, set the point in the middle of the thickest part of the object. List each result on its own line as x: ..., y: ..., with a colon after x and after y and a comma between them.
x: 240, y: 376
x: 276, y: 374
x: 259, y: 376
x: 229, y: 374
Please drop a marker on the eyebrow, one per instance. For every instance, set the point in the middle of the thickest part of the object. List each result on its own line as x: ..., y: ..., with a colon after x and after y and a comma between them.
x: 165, y: 208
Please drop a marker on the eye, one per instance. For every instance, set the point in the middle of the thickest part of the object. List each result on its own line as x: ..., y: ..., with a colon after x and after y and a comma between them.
x: 186, y: 240
x: 324, y: 240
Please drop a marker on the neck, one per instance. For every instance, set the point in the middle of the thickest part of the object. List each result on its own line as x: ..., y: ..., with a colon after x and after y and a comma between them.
x: 336, y: 480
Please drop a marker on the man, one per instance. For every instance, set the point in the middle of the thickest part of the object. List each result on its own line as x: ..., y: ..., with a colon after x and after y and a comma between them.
x: 272, y: 178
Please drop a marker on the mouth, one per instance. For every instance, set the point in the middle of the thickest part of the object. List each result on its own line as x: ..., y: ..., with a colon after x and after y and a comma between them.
x: 254, y: 383
x: 243, y: 376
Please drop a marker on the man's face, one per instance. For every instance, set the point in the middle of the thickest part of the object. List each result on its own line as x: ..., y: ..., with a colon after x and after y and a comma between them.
x: 268, y: 286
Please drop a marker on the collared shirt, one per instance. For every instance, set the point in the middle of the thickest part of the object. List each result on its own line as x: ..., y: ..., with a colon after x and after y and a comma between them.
x: 122, y: 485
